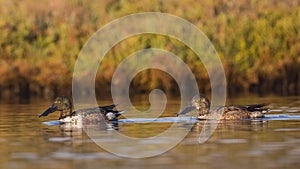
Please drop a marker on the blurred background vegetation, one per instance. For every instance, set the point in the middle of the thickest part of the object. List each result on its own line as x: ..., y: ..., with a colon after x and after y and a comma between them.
x: 257, y: 41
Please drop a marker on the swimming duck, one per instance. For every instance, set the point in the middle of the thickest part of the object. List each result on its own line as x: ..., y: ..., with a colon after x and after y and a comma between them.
x: 202, y: 105
x: 82, y: 116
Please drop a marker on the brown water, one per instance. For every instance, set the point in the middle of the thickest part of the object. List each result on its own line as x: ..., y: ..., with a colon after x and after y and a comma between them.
x: 25, y: 142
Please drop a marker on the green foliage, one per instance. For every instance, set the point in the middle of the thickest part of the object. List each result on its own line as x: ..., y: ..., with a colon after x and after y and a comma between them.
x: 258, y: 43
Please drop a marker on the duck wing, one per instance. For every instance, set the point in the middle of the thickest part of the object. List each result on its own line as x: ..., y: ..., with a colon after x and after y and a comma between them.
x: 109, y: 107
x: 234, y: 112
x: 102, y: 109
x: 256, y: 107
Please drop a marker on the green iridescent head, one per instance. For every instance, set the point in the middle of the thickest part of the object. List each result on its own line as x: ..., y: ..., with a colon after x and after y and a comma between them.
x: 62, y: 104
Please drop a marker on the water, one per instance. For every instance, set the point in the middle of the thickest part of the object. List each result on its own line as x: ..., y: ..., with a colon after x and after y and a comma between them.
x: 26, y: 142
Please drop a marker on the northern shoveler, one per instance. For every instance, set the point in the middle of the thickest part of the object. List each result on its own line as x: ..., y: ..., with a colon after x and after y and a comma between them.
x: 202, y: 105
x: 82, y: 116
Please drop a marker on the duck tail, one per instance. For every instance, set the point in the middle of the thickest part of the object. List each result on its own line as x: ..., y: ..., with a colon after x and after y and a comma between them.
x: 118, y: 113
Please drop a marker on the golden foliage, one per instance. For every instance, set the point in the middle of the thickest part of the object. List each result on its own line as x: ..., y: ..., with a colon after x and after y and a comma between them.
x: 258, y: 42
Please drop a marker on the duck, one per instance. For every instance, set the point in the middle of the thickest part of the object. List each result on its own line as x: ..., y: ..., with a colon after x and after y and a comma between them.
x: 82, y: 116
x: 202, y: 105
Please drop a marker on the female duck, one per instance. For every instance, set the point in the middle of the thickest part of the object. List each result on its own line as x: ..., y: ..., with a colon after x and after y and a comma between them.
x: 202, y: 105
x: 82, y: 116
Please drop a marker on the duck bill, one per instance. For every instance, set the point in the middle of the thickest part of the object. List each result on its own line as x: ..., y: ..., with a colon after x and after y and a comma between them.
x: 186, y: 110
x: 51, y: 109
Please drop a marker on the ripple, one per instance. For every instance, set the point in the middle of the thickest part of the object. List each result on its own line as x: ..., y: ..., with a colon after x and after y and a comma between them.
x: 52, y: 123
x: 295, y: 152
x: 24, y: 155
x: 159, y: 120
x: 82, y: 156
x: 256, y: 153
x: 281, y: 117
x: 273, y: 146
x: 232, y: 141
x: 60, y: 139
x: 293, y: 110
x: 276, y: 110
x: 158, y: 141
x: 104, y: 140
x: 287, y: 129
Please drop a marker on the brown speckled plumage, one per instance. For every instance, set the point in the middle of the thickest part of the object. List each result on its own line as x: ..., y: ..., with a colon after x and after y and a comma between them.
x: 202, y: 105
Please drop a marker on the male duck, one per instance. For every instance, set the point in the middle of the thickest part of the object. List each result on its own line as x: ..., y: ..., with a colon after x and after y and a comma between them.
x: 202, y: 105
x: 82, y: 116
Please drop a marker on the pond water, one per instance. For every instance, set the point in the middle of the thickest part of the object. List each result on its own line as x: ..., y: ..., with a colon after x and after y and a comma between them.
x: 27, y: 142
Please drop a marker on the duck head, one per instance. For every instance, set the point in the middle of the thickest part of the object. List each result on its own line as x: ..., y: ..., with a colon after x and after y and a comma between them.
x: 200, y: 103
x: 62, y: 104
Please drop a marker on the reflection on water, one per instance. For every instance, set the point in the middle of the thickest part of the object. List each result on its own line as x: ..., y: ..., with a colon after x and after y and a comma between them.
x: 25, y: 142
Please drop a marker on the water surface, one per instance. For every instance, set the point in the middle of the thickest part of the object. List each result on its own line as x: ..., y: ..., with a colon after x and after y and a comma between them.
x: 26, y: 142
